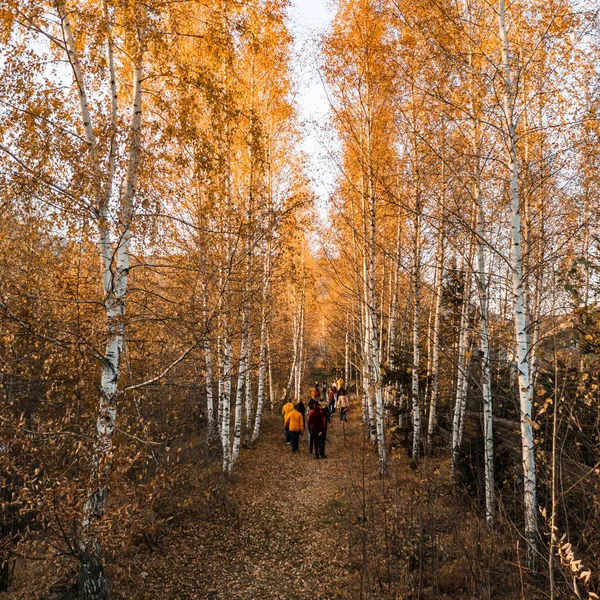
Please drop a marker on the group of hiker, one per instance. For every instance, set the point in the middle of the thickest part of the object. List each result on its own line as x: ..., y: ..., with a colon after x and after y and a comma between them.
x: 324, y: 402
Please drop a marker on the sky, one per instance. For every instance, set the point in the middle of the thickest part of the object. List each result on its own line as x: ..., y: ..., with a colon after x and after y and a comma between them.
x: 309, y: 19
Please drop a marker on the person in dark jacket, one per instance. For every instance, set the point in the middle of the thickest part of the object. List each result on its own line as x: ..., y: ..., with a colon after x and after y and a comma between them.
x: 317, y: 423
x: 311, y: 439
x: 327, y: 413
x: 301, y: 408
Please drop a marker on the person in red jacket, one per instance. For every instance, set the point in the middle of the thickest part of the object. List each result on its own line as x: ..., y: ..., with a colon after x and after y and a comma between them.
x: 317, y: 423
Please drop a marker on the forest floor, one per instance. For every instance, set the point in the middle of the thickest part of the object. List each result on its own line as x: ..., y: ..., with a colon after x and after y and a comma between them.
x: 290, y: 527
x: 280, y: 532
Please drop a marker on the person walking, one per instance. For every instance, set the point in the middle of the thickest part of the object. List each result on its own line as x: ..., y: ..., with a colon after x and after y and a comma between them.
x: 324, y: 392
x: 331, y: 399
x: 302, y: 410
x: 315, y: 394
x: 294, y: 421
x: 288, y: 407
x: 342, y: 404
x: 311, y: 438
x: 327, y: 413
x: 317, y: 424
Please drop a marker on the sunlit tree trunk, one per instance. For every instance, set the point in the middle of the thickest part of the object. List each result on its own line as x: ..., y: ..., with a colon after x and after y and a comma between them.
x: 486, y: 375
x: 462, y: 372
x: 416, y: 362
x: 295, y: 344
x: 392, y: 325
x: 521, y: 324
x: 248, y: 383
x: 226, y: 401
x: 435, y: 350
x: 263, y: 345
x: 92, y: 581
x: 239, y: 397
x: 211, y: 421
x: 270, y: 371
x: 374, y: 341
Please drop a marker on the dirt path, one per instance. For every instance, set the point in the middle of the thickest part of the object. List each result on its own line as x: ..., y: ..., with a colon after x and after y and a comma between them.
x: 280, y: 534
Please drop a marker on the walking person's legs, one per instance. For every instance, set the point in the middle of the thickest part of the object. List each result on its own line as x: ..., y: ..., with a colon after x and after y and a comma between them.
x: 295, y: 440
x: 318, y: 442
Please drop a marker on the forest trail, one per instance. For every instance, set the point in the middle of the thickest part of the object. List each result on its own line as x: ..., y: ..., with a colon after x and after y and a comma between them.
x: 280, y: 534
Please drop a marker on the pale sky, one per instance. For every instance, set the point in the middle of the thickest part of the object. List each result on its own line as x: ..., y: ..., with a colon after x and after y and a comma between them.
x: 309, y: 19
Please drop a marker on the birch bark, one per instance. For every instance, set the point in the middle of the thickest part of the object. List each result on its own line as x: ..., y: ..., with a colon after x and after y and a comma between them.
x: 486, y: 375
x: 462, y: 376
x: 435, y: 352
x: 416, y: 363
x: 521, y: 324
x: 211, y: 433
x: 226, y: 403
x: 263, y: 345
x: 92, y: 580
x: 239, y: 397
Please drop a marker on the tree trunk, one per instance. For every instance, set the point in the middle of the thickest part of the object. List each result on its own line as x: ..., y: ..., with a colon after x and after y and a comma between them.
x: 263, y: 346
x: 239, y: 396
x: 226, y: 401
x: 521, y: 324
x: 486, y: 387
x: 92, y: 580
x: 416, y: 363
x: 462, y: 374
x: 435, y: 350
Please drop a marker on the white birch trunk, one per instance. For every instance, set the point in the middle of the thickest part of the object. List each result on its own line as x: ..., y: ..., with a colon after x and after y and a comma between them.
x: 435, y: 351
x: 374, y: 345
x: 292, y: 376
x: 346, y: 356
x: 393, y: 309
x: 262, y: 355
x: 271, y: 394
x: 486, y: 375
x: 486, y: 388
x: 248, y: 383
x: 368, y: 406
x: 220, y: 384
x: 239, y: 396
x: 210, y: 399
x: 416, y: 410
x: 521, y: 324
x: 93, y: 583
x: 462, y: 376
x: 301, y: 358
x: 226, y: 402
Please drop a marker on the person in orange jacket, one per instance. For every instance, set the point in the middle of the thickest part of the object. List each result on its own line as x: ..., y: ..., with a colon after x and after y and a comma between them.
x: 294, y: 423
x: 287, y: 408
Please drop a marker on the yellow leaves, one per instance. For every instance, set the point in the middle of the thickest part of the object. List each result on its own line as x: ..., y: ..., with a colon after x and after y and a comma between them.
x: 533, y: 424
